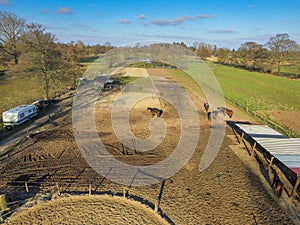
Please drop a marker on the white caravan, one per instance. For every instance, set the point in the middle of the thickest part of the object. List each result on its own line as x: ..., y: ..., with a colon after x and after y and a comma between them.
x: 18, y: 115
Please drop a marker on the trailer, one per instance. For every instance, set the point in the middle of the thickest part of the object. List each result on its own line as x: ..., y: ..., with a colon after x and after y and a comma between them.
x: 18, y: 115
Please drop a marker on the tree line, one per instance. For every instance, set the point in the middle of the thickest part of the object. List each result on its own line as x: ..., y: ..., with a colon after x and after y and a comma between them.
x: 29, y: 47
x: 270, y: 57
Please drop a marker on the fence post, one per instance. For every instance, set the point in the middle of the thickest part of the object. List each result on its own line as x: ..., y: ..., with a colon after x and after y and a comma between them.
x: 90, y: 189
x: 125, y: 192
x: 253, y: 149
x: 295, y: 186
x: 271, y: 162
x: 57, y: 186
x: 242, y: 138
x: 134, y: 147
x: 2, y: 203
x: 26, y: 187
x: 156, y: 205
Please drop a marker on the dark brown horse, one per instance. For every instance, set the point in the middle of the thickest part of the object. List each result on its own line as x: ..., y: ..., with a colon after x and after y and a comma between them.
x: 206, y: 106
x: 277, y: 184
x: 155, y: 111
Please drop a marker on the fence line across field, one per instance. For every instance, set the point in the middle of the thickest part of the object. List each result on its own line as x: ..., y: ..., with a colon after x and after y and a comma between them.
x: 272, y: 123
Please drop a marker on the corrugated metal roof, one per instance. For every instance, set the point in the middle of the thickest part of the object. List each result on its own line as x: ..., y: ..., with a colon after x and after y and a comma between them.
x: 286, y: 150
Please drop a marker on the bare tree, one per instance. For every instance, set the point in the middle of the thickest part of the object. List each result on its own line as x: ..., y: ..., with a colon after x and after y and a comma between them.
x: 11, y: 30
x: 281, y: 48
x: 223, y: 55
x: 250, y: 52
x: 42, y: 46
x: 72, y: 61
x: 204, y: 50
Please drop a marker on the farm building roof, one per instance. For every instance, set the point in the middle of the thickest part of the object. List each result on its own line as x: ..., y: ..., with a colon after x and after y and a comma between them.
x: 286, y: 150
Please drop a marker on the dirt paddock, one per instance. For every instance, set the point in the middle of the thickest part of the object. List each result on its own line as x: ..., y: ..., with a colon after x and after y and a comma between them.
x: 229, y: 191
x: 288, y: 118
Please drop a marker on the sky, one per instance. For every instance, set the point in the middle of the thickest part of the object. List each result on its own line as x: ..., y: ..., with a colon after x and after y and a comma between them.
x: 217, y: 22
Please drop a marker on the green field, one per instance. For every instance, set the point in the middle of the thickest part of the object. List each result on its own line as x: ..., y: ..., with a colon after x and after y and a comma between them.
x: 258, y: 91
x: 21, y: 89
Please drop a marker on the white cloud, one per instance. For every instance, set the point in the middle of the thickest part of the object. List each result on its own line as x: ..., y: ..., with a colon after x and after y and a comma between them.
x: 63, y: 10
x: 178, y: 21
x: 124, y: 21
x: 142, y: 16
x: 205, y: 16
x: 5, y: 2
x: 221, y: 31
x: 174, y: 22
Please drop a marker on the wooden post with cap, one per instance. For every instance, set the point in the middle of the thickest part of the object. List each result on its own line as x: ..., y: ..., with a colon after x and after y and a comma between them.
x: 253, y: 149
x: 295, y: 186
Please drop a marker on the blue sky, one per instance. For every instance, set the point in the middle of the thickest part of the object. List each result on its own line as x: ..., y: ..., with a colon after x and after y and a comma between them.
x: 218, y: 22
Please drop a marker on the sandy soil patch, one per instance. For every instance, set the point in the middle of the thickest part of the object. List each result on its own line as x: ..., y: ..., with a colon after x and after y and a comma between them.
x: 133, y: 72
x: 288, y: 118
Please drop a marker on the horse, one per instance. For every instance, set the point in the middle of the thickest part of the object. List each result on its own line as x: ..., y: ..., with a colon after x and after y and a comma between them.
x: 212, y: 114
x: 226, y: 111
x: 155, y: 111
x: 277, y: 184
x: 215, y: 113
x: 206, y: 106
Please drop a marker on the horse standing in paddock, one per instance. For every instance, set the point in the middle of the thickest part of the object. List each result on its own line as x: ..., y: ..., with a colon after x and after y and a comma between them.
x: 215, y: 113
x: 155, y: 111
x: 277, y: 184
x: 226, y: 111
x: 212, y: 114
x: 209, y: 116
x: 206, y: 106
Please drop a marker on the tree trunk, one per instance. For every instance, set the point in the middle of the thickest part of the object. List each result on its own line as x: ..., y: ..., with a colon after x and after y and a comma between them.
x: 278, y: 67
x: 254, y: 64
x: 16, y: 58
x: 74, y: 79
x: 47, y: 85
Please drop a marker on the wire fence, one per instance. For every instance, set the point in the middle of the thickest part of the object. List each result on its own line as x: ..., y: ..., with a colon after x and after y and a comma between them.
x: 261, y: 117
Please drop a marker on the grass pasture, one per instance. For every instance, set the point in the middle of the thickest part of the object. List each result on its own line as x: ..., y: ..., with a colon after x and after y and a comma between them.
x: 258, y: 91
x: 17, y: 90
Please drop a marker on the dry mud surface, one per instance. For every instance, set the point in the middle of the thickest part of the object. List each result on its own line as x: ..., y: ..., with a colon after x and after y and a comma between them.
x: 288, y: 118
x: 227, y: 192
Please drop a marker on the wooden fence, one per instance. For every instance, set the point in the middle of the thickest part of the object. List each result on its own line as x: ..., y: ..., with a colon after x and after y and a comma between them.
x: 290, y: 175
x: 62, y: 189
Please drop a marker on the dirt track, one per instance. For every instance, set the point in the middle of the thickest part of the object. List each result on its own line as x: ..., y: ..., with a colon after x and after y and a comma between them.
x: 228, y: 192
